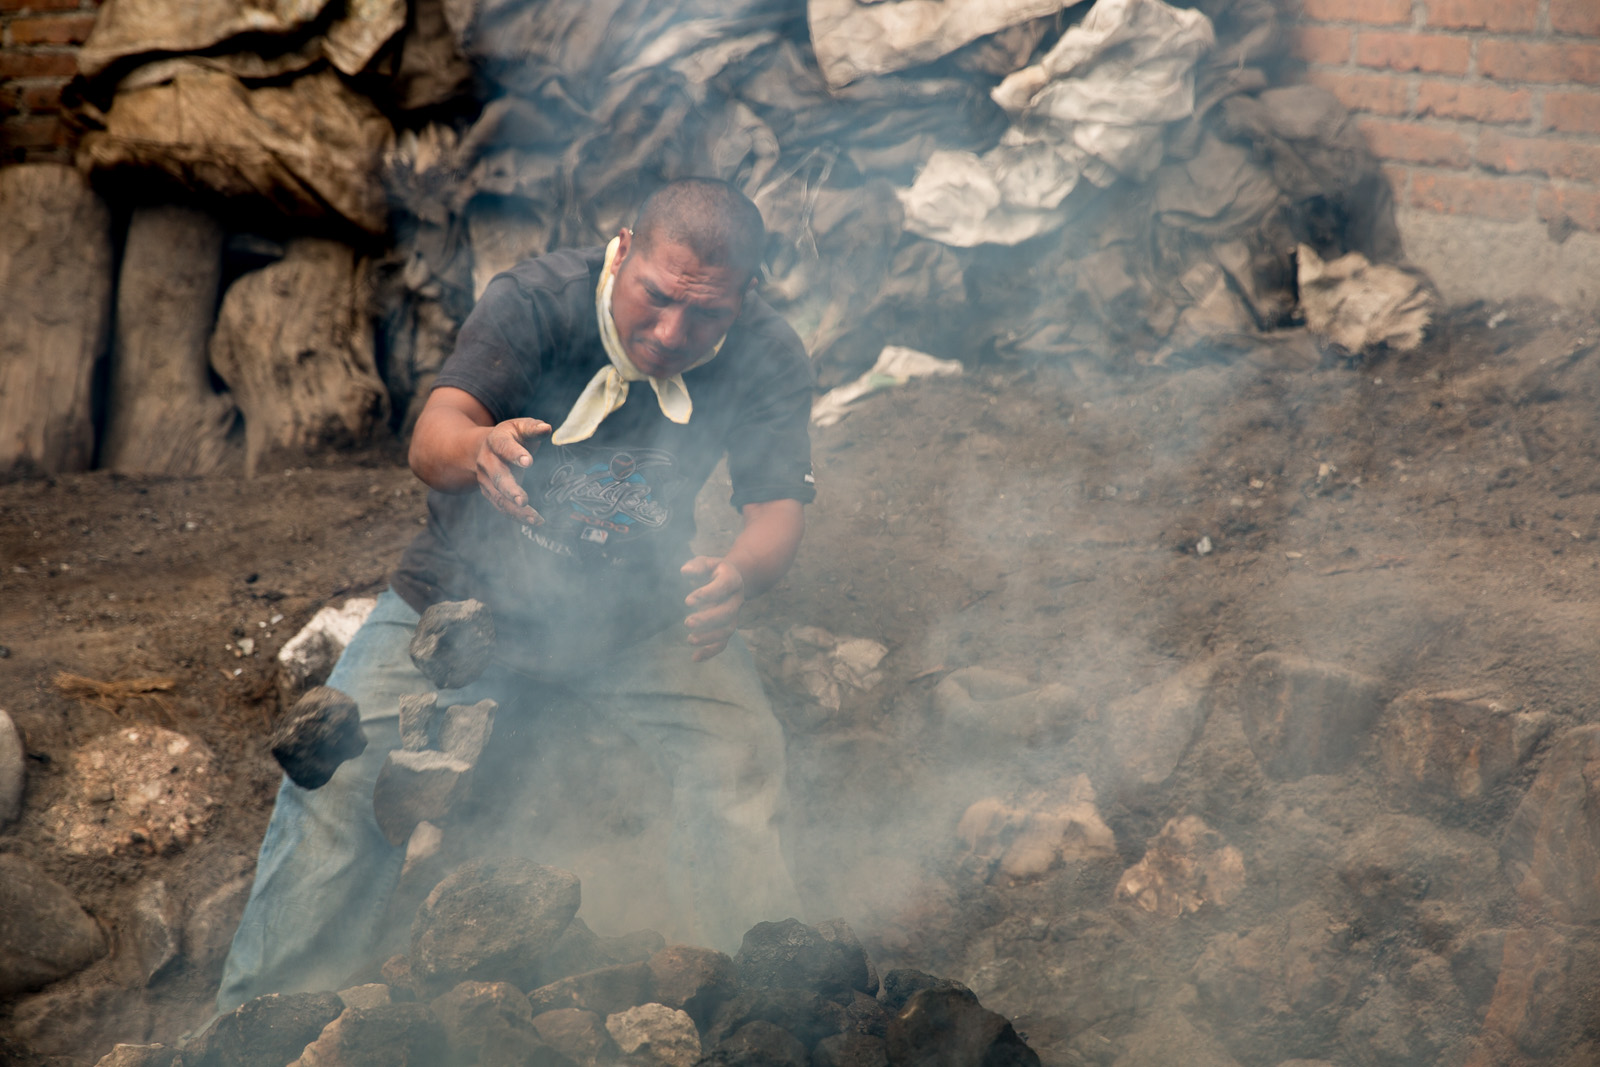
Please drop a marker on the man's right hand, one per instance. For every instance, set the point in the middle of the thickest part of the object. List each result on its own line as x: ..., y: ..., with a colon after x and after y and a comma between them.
x: 510, y: 443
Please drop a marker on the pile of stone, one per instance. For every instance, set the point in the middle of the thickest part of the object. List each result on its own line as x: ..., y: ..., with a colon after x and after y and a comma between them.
x: 501, y: 973
x: 1067, y: 180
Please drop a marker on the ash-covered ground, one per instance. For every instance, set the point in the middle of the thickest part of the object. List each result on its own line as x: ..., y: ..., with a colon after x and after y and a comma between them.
x: 1070, y: 783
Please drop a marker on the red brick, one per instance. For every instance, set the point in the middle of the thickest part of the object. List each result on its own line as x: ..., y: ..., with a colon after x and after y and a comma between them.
x: 1580, y: 206
x: 35, y: 65
x: 1572, y: 112
x: 1498, y: 16
x: 1399, y: 179
x: 1461, y: 194
x: 1322, y: 44
x: 1382, y: 94
x: 52, y: 29
x: 1375, y: 12
x: 1485, y: 103
x: 1412, y: 142
x: 1428, y: 52
x: 1519, y: 61
x: 38, y: 98
x: 46, y: 132
x: 1509, y: 154
x: 1575, y: 16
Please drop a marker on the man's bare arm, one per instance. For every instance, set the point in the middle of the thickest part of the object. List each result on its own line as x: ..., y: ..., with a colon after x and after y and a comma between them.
x: 457, y: 446
x: 760, y: 556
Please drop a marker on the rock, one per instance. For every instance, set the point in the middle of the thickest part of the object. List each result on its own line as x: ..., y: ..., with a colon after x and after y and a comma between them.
x: 163, y: 416
x: 369, y: 995
x: 605, y: 991
x: 839, y: 932
x: 1168, y: 1037
x: 902, y: 983
x: 764, y: 1043
x: 1185, y: 867
x: 1039, y: 833
x: 990, y: 711
x: 55, y: 253
x: 577, y: 1034
x: 490, y: 921
x: 1143, y: 736
x: 577, y: 950
x: 307, y: 658
x: 1303, y: 717
x: 74, y: 1017
x: 695, y: 980
x: 269, y: 1031
x: 1455, y: 745
x: 154, y: 930
x: 419, y: 721
x: 416, y: 787
x: 792, y: 955
x: 13, y: 772
x: 319, y: 733
x: 454, y: 642
x: 803, y: 1013
x: 44, y: 934
x: 465, y: 731
x: 519, y: 1046
x: 424, y: 855
x: 1279, y: 989
x: 293, y: 343
x: 395, y: 1035
x: 944, y: 1028
x: 1552, y: 844
x: 138, y: 1056
x: 850, y: 1050
x: 652, y: 1034
x: 141, y: 789
x: 472, y: 1009
x: 208, y: 933
x: 1546, y: 980
x: 1400, y: 863
x: 636, y: 946
x: 396, y: 971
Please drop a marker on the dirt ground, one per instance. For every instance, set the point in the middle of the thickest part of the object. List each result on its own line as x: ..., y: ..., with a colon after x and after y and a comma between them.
x: 1432, y: 520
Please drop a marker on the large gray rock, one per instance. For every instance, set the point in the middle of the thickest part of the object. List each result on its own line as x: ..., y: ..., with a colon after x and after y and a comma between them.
x: 490, y: 921
x: 654, y: 1035
x: 605, y: 991
x: 453, y: 643
x: 763, y: 1043
x: 578, y: 1035
x: 44, y: 934
x: 1455, y: 746
x: 419, y: 720
x: 395, y: 1035
x: 471, y: 1010
x: 1144, y: 735
x: 1303, y: 717
x: 1552, y: 845
x: 792, y: 955
x: 13, y: 771
x: 55, y: 272
x: 696, y: 980
x: 417, y: 787
x: 268, y: 1031
x: 321, y: 732
x: 465, y: 730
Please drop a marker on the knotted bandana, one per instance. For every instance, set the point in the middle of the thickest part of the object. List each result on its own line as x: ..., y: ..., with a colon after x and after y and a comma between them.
x: 608, y: 389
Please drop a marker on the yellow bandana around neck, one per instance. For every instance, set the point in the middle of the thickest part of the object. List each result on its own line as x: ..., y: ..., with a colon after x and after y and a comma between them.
x: 608, y: 389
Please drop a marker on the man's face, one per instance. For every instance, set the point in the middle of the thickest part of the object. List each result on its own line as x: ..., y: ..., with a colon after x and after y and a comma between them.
x: 670, y: 309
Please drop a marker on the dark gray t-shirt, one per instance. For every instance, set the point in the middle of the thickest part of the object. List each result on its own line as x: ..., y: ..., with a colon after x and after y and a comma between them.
x: 602, y: 571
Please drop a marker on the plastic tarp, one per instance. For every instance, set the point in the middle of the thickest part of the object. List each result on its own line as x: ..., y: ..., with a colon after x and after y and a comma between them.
x: 1094, y: 106
x: 854, y: 39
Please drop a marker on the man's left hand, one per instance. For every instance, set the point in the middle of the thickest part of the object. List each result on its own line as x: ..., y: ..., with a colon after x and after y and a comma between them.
x: 716, y: 604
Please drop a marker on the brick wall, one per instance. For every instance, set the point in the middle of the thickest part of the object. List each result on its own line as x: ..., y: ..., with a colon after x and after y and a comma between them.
x: 1481, y: 108
x: 38, y: 56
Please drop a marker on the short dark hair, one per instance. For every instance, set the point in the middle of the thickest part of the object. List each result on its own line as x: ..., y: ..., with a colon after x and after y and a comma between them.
x: 711, y: 218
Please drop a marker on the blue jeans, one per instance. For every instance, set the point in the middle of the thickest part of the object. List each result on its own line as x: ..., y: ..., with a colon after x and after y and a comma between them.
x: 325, y: 874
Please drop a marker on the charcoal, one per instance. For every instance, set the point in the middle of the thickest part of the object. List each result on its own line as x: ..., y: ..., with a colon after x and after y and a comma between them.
x: 901, y: 984
x: 792, y: 955
x: 416, y: 787
x: 419, y: 720
x: 320, y: 732
x: 605, y: 991
x: 761, y: 1042
x: 395, y: 1035
x: 453, y: 643
x: 807, y: 1016
x: 696, y: 980
x: 269, y: 1031
x: 489, y: 922
x: 947, y: 1027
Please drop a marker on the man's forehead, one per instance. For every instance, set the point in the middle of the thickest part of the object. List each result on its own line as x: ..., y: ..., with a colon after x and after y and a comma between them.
x: 676, y: 271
